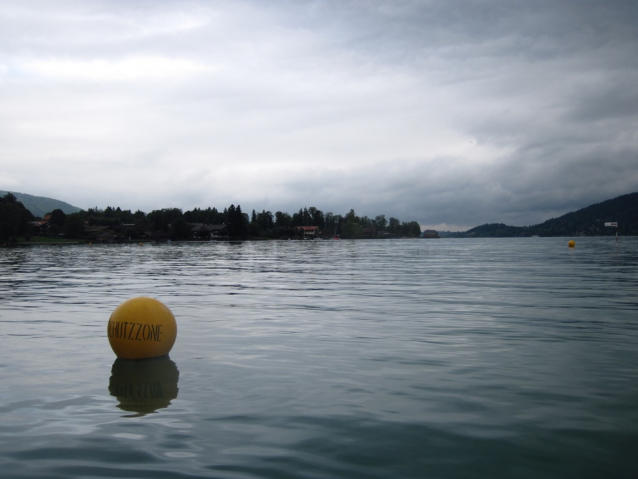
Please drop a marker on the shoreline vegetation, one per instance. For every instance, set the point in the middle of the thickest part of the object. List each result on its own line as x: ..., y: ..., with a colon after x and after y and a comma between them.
x: 114, y: 225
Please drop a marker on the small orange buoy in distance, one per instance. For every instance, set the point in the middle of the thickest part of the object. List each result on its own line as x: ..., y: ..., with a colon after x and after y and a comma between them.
x: 571, y: 244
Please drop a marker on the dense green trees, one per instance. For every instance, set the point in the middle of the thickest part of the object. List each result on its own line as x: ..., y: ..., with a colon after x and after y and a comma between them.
x: 160, y: 220
x: 380, y: 222
x: 332, y: 223
x: 14, y: 218
x: 179, y: 229
x: 351, y: 230
x: 283, y: 220
x: 174, y: 223
x: 411, y: 229
x: 264, y: 221
x: 111, y: 216
x: 237, y: 223
x: 209, y: 216
x: 74, y: 226
x: 394, y: 226
x: 352, y: 226
x: 58, y: 217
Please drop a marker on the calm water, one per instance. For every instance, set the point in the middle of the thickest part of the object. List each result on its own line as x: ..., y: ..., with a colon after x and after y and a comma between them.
x: 330, y: 359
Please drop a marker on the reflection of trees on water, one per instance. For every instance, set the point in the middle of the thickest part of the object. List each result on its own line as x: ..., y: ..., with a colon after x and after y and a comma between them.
x: 144, y: 386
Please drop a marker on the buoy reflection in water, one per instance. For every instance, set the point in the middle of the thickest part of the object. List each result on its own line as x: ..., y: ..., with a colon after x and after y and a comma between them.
x: 144, y: 386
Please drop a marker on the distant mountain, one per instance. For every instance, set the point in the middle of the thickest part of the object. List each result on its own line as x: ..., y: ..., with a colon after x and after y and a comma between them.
x: 496, y: 230
x: 589, y: 221
x: 40, y: 206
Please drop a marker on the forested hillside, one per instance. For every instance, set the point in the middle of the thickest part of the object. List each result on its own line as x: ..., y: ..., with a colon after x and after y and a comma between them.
x: 40, y: 206
x: 589, y: 221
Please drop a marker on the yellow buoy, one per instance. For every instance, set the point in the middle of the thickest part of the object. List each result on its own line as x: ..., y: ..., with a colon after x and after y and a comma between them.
x: 141, y: 328
x: 571, y: 244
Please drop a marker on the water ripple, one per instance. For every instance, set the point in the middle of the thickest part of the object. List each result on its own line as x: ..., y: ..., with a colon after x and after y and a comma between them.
x: 368, y: 359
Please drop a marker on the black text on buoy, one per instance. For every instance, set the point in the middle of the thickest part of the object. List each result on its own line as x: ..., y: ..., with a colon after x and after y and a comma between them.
x: 141, y: 328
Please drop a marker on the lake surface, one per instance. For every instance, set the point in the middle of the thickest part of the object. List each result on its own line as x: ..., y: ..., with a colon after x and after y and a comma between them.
x: 450, y: 358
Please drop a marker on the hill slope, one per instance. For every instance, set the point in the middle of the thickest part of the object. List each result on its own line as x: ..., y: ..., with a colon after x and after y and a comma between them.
x: 40, y: 206
x: 588, y: 221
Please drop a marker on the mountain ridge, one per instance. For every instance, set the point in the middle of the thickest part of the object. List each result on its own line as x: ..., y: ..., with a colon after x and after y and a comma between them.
x: 587, y: 221
x: 41, y: 205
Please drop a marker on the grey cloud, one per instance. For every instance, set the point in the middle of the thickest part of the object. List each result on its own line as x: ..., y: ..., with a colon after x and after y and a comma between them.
x: 457, y: 112
x: 615, y: 98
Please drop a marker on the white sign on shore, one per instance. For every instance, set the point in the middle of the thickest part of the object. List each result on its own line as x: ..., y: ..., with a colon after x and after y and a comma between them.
x: 612, y: 224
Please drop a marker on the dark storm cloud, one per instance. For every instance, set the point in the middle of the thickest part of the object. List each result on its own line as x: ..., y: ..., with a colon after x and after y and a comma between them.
x: 448, y: 113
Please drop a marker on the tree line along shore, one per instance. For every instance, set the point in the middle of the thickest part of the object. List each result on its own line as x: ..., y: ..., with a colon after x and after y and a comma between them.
x: 17, y: 224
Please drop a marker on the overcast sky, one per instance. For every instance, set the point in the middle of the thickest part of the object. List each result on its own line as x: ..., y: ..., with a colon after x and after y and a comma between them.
x: 451, y: 113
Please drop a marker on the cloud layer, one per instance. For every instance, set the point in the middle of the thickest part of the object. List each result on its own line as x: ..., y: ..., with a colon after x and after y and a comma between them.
x: 452, y: 114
